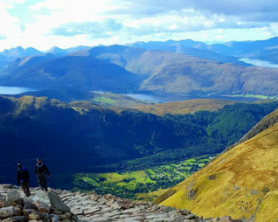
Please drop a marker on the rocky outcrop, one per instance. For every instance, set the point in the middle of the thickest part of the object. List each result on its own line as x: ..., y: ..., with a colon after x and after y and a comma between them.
x: 66, y: 206
x: 40, y: 206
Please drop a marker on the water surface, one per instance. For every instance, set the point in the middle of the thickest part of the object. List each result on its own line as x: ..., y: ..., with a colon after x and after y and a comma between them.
x: 173, y: 98
x: 257, y: 62
x: 12, y: 90
x: 6, y: 90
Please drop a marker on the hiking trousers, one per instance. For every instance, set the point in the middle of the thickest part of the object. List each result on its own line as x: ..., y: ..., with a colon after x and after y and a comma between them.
x: 25, y: 188
x: 42, y: 182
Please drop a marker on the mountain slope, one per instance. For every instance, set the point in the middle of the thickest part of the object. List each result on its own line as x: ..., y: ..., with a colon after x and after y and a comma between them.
x: 261, y: 49
x: 184, y: 107
x: 155, y: 45
x: 264, y: 124
x: 62, y: 52
x: 189, y: 47
x: 96, y: 136
x: 18, y: 52
x: 177, y: 73
x: 167, y: 72
x: 241, y: 182
x: 244, y: 47
x: 102, y: 99
x: 79, y: 72
x: 9, y: 55
x: 121, y: 68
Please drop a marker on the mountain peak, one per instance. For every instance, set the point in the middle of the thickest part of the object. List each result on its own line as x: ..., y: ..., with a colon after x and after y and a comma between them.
x: 55, y: 49
x: 19, y: 48
x: 18, y: 52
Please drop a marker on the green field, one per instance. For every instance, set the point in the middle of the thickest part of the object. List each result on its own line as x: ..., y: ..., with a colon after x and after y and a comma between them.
x: 254, y: 96
x: 144, y: 184
x: 104, y: 100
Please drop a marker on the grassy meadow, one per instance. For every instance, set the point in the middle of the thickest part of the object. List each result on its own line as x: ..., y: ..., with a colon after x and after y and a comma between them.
x: 242, y: 182
x: 143, y: 185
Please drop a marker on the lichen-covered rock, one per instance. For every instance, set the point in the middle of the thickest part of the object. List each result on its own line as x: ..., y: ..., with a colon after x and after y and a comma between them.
x: 30, y: 206
x: 34, y: 216
x: 42, y: 207
x: 57, y: 204
x: 54, y: 218
x: 45, y: 217
x: 51, y: 199
x: 16, y: 219
x: 40, y: 196
x: 27, y: 212
x: 7, y: 212
x: 88, y: 207
x: 18, y: 211
x: 13, y: 198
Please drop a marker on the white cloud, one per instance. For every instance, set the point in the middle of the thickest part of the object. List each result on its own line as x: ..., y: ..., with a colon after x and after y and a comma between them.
x: 18, y: 1
x: 10, y: 27
x: 67, y: 23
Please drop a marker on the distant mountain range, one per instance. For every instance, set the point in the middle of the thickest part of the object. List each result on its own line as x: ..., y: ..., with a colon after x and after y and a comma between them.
x: 189, y: 47
x: 263, y: 49
x: 62, y: 52
x: 9, y: 55
x: 167, y: 72
x: 227, y: 52
x: 171, y: 67
x: 77, y: 72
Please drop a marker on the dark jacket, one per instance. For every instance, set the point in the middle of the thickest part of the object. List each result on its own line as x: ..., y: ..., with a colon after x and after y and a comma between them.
x: 22, y: 175
x: 41, y: 170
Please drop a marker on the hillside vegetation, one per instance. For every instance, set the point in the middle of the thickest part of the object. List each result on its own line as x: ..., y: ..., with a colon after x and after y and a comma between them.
x: 101, y: 139
x: 185, y: 107
x: 143, y: 184
x: 241, y: 183
x: 96, y: 98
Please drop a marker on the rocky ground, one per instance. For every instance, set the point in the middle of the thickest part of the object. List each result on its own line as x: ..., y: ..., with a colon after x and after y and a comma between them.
x: 57, y: 205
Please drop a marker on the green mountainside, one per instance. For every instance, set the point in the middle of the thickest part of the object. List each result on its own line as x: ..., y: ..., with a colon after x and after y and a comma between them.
x: 241, y: 182
x: 185, y: 107
x: 97, y: 98
x: 143, y: 184
x: 82, y: 137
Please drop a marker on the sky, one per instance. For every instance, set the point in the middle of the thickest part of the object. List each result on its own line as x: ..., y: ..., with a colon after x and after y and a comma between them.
x: 43, y: 24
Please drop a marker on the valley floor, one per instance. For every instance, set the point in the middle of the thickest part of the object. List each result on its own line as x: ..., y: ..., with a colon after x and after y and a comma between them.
x: 140, y: 185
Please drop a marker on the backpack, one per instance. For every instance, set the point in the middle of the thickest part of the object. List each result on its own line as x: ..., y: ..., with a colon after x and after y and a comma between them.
x: 40, y: 168
x: 40, y: 171
x: 24, y: 174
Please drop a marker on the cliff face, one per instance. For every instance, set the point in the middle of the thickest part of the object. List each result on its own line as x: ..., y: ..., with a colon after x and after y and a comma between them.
x: 241, y: 182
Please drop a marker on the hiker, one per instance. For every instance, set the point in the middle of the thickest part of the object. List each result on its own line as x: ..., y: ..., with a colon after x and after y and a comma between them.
x: 23, y: 179
x: 41, y: 171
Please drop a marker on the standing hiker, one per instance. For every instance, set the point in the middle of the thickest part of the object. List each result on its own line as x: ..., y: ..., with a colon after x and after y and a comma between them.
x: 23, y: 179
x: 41, y: 171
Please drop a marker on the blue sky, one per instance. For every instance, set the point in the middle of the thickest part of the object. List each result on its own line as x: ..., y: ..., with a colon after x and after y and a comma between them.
x: 67, y: 23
